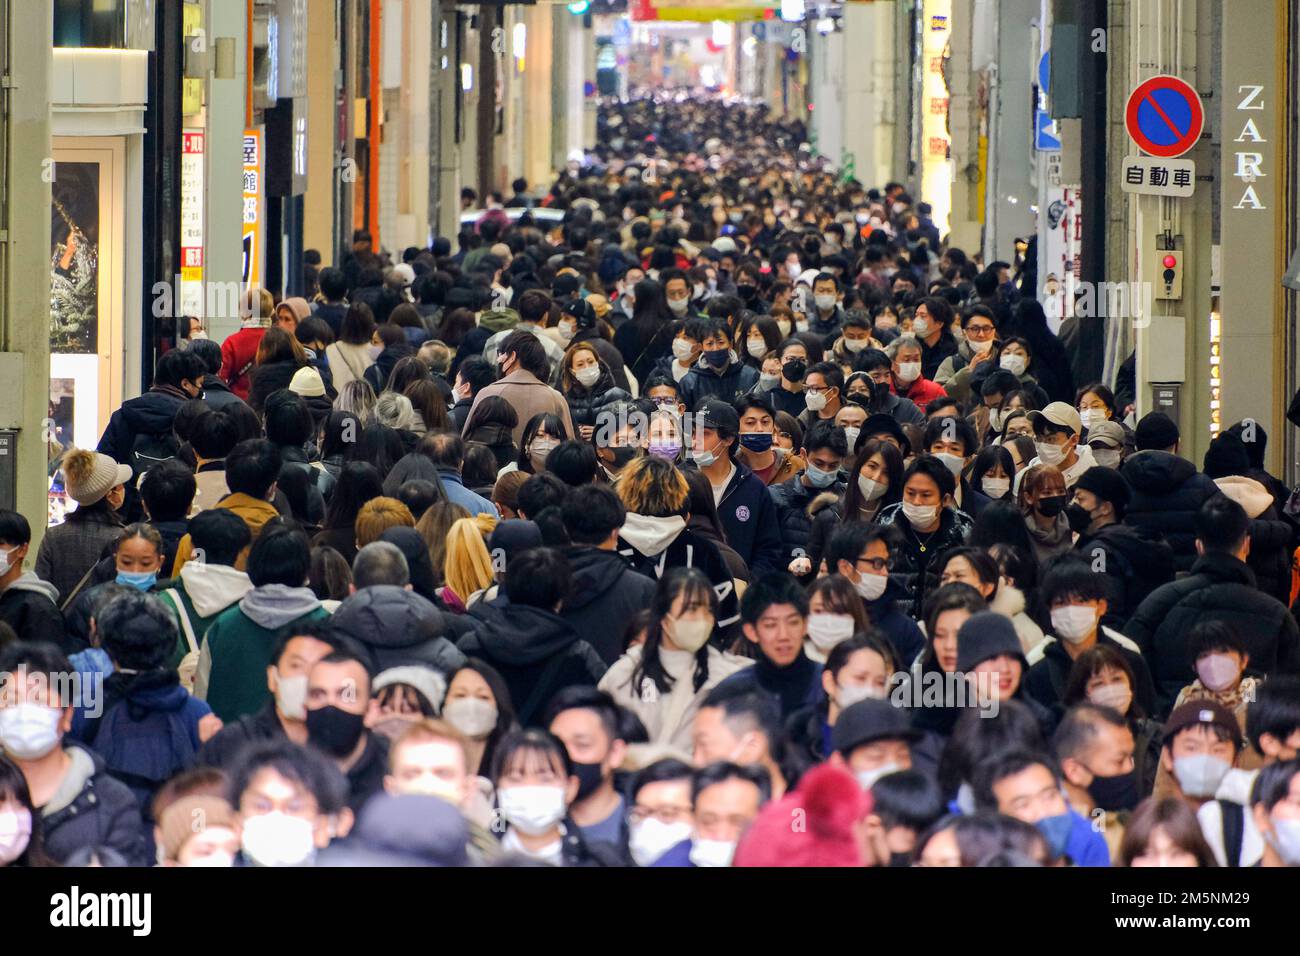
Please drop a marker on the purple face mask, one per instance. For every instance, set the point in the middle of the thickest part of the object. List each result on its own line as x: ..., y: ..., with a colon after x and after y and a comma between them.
x: 668, y: 451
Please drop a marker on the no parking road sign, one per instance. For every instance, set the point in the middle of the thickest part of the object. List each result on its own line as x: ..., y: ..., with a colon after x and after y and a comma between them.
x: 1164, y: 116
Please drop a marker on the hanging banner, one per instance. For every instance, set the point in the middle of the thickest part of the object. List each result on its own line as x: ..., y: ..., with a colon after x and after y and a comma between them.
x: 254, y: 205
x: 192, y: 149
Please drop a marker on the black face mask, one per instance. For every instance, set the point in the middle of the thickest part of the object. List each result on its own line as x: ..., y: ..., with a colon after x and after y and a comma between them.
x: 747, y: 292
x: 622, y: 455
x: 794, y: 370
x: 334, y: 731
x: 900, y: 859
x: 1051, y: 506
x: 590, y: 776
x: 1078, y: 517
x: 1115, y: 793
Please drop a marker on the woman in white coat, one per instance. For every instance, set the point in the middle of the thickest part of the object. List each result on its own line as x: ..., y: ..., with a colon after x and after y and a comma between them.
x: 664, y: 680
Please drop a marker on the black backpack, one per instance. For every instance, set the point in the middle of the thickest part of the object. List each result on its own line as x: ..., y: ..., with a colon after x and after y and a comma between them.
x: 148, y: 450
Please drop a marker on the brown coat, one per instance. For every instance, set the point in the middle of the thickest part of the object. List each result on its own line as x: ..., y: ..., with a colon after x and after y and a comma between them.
x: 529, y: 395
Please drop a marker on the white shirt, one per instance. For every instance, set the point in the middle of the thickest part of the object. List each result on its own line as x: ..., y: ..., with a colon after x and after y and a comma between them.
x: 719, y: 489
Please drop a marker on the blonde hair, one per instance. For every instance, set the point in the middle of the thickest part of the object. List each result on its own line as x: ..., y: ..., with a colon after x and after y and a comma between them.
x: 257, y: 305
x: 378, y: 515
x: 468, y: 564
x: 653, y: 488
x: 433, y: 527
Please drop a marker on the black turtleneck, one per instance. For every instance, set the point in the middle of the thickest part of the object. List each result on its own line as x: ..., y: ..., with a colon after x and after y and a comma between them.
x: 791, y: 684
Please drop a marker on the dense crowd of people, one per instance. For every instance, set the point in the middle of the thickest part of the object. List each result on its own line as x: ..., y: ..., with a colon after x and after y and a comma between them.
x: 727, y: 496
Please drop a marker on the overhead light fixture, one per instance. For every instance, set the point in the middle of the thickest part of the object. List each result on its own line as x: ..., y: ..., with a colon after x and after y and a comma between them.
x: 793, y: 10
x: 579, y: 7
x: 466, y: 77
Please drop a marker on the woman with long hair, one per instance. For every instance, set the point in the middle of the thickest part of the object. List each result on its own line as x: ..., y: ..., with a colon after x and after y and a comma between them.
x: 358, y: 483
x: 381, y: 446
x: 588, y: 386
x: 664, y: 680
x: 647, y: 337
x: 357, y: 398
x: 492, y: 423
x: 22, y: 835
x: 468, y: 565
x: 279, y: 356
x: 429, y: 405
x: 433, y: 527
x: 342, y: 429
x: 352, y: 353
x: 542, y: 434
x: 875, y: 482
x: 478, y: 705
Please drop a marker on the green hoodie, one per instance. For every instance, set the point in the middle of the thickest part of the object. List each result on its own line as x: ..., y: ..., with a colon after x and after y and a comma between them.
x: 499, y: 320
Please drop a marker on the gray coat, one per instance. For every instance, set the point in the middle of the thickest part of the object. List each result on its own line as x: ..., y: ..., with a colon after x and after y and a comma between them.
x: 71, y: 549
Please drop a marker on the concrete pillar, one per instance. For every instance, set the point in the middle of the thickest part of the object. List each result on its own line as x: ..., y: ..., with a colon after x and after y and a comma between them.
x: 24, y: 257
x: 225, y: 182
x: 1012, y: 182
x: 323, y: 55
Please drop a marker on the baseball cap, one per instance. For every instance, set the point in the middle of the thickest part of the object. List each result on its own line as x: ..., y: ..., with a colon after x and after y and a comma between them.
x: 1208, y: 712
x: 715, y: 413
x: 1060, y: 414
x: 1107, y: 435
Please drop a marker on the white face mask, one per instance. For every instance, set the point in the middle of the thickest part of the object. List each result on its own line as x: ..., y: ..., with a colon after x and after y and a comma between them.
x: 1117, y: 696
x: 908, y: 372
x: 801, y: 325
x: 1200, y: 775
x: 1049, y: 454
x: 1015, y: 364
x: 921, y: 516
x: 995, y: 419
x: 652, y: 838
x: 688, y: 635
x: 980, y: 348
x: 15, y: 833
x: 954, y: 463
x: 867, y: 778
x: 769, y: 382
x: 291, y: 696
x: 277, y: 839
x: 816, y: 401
x: 851, y: 434
x: 6, y: 560
x: 712, y: 853
x: 698, y: 290
x: 756, y: 347
x: 1074, y: 622
x: 784, y: 326
x: 870, y: 488
x: 995, y: 487
x: 851, y: 694
x: 871, y: 586
x: 532, y: 810
x: 568, y: 329
x: 679, y: 306
x: 1107, y: 457
x: 588, y: 376
x: 1217, y: 671
x: 29, y: 731
x: 472, y: 716
x: 682, y: 349
x: 856, y: 345
x: 1092, y: 416
x: 539, y: 450
x: 920, y: 327
x: 223, y: 860
x: 1285, y: 839
x: 825, y: 302
x: 827, y: 630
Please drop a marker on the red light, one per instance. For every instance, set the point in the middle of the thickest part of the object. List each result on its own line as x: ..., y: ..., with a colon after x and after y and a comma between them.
x: 1170, y: 261
x: 810, y: 107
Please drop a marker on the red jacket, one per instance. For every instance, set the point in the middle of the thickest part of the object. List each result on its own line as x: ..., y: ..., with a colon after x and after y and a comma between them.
x: 922, y: 391
x: 237, y: 354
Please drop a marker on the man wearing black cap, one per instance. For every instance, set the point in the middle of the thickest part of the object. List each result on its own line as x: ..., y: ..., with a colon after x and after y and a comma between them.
x: 1166, y: 490
x: 1201, y: 742
x: 1135, y: 560
x: 872, y: 739
x: 745, y: 509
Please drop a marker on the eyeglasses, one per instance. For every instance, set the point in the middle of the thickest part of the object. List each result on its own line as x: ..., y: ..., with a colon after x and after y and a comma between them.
x: 876, y: 564
x: 639, y: 814
x: 980, y: 330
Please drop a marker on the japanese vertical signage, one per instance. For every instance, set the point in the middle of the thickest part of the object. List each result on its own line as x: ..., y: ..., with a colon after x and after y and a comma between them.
x: 192, y: 157
x: 254, y: 204
x: 936, y: 147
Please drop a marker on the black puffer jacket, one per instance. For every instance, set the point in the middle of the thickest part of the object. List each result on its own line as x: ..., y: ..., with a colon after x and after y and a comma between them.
x: 538, y: 653
x: 1135, y: 561
x: 606, y: 594
x: 914, y: 568
x: 585, y: 403
x: 397, y: 627
x: 792, y: 498
x: 103, y: 813
x: 1168, y: 491
x: 1220, y: 588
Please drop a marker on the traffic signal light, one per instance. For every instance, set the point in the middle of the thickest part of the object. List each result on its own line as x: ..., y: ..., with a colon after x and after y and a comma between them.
x: 1169, y: 274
